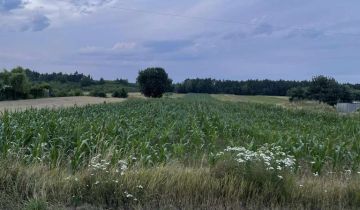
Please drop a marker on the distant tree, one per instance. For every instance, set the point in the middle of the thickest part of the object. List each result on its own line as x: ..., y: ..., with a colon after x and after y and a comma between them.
x: 86, y: 81
x: 153, y: 82
x: 101, y: 81
x: 346, y: 94
x: 325, y: 89
x: 122, y: 81
x: 20, y: 84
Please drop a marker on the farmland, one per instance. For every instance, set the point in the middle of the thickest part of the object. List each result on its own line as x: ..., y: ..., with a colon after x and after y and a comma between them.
x: 180, y: 152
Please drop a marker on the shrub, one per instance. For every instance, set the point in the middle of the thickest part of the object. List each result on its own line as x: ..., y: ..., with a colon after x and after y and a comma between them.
x: 120, y: 94
x: 98, y: 93
x: 76, y: 92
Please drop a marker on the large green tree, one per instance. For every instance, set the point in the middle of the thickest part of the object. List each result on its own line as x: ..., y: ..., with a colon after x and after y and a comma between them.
x: 153, y: 82
x: 325, y: 89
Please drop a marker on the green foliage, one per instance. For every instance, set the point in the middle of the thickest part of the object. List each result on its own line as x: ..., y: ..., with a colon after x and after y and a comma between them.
x: 248, y: 87
x: 36, y: 204
x: 153, y: 82
x: 98, y: 93
x: 120, y: 94
x: 297, y: 93
x: 86, y: 81
x: 325, y: 89
x: 101, y: 81
x: 76, y: 92
x: 15, y: 84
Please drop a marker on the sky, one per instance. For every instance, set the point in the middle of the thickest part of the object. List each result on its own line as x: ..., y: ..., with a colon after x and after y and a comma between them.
x: 223, y: 39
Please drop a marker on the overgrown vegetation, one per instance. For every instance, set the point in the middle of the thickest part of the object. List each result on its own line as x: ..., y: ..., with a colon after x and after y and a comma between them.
x: 324, y: 89
x: 22, y: 83
x: 120, y: 93
x: 191, y: 152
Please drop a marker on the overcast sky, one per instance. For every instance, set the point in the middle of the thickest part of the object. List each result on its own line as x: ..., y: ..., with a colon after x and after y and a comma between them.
x: 224, y: 39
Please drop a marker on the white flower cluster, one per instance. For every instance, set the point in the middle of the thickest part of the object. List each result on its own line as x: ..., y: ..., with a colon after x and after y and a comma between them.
x: 98, y: 164
x: 272, y: 156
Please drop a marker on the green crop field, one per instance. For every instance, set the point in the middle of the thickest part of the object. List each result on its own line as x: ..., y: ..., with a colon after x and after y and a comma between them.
x: 182, y: 152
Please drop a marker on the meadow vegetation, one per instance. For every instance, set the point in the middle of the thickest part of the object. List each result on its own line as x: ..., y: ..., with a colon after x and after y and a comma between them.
x: 179, y: 152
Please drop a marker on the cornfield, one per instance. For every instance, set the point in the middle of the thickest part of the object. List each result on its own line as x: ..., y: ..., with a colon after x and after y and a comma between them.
x: 189, y: 130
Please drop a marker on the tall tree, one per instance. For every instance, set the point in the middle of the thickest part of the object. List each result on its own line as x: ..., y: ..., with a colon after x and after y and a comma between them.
x: 153, y: 82
x: 325, y: 89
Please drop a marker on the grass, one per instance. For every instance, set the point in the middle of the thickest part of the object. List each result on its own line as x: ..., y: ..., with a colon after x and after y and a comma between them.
x: 98, y: 156
x: 169, y: 187
x: 276, y: 100
x: 252, y: 99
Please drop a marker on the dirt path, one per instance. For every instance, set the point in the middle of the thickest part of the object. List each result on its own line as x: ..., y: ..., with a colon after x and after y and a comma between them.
x: 55, y: 102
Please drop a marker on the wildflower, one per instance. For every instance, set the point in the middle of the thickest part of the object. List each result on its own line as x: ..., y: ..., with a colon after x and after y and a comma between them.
x: 301, y: 185
x: 316, y: 174
x: 97, y: 182
x: 280, y: 177
x: 140, y: 187
x: 128, y: 195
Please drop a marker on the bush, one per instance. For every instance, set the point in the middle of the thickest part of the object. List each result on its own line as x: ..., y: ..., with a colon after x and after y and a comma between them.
x: 98, y: 93
x: 59, y: 93
x: 297, y: 94
x: 76, y: 92
x: 120, y: 94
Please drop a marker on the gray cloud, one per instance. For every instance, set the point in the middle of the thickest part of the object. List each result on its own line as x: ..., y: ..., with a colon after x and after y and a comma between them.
x: 166, y: 46
x: 37, y: 22
x: 264, y: 39
x: 263, y: 29
x: 305, y: 33
x: 8, y: 5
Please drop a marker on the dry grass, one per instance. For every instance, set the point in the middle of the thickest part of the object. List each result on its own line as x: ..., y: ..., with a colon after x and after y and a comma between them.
x: 55, y: 102
x: 167, y: 187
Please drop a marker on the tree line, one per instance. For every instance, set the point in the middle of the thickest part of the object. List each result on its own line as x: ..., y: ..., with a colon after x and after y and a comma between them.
x: 248, y: 87
x: 22, y: 83
x: 320, y: 88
